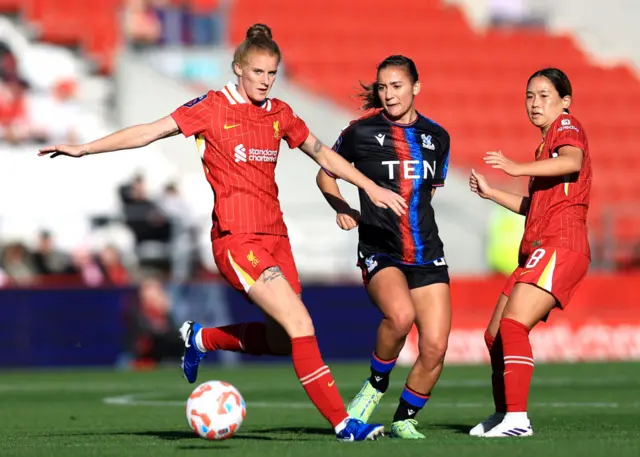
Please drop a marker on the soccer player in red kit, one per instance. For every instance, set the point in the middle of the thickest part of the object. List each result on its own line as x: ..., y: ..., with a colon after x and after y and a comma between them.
x: 554, y: 252
x: 237, y: 132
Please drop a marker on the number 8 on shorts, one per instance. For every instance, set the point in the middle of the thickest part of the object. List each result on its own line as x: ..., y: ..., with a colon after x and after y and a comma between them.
x: 559, y: 271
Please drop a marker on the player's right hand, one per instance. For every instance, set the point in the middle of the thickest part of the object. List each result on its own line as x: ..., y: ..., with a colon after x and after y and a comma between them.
x: 385, y: 198
x: 63, y: 150
x: 348, y: 221
x: 479, y: 185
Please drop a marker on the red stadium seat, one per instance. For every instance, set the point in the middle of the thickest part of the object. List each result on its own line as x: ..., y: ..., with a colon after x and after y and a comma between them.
x: 58, y: 26
x: 10, y: 6
x: 34, y: 11
x: 474, y: 81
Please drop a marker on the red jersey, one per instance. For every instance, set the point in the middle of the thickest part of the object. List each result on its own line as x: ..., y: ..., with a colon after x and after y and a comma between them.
x: 239, y: 144
x: 557, y: 215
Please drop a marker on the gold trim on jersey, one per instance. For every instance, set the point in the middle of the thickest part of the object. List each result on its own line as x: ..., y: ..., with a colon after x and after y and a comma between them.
x: 245, y: 278
x: 546, y: 278
x: 201, y: 144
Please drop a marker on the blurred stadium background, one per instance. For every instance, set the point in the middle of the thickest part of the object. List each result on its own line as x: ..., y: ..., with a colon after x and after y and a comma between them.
x: 101, y: 258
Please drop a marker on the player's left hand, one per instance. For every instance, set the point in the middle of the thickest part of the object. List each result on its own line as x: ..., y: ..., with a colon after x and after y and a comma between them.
x: 348, y: 220
x: 63, y: 150
x: 497, y: 160
x: 384, y: 198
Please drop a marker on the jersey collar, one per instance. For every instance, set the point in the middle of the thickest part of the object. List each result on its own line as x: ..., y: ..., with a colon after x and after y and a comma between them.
x: 233, y: 96
x: 418, y: 115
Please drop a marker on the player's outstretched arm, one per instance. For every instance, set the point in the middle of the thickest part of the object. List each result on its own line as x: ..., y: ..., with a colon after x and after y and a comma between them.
x: 338, y: 166
x: 133, y: 137
x: 346, y: 217
x: 569, y: 160
x: 478, y: 184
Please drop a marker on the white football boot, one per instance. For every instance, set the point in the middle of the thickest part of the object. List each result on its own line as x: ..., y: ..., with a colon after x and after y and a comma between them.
x: 486, y: 425
x: 514, y: 425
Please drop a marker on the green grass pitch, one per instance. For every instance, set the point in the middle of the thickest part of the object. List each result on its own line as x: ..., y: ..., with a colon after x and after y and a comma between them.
x: 576, y: 410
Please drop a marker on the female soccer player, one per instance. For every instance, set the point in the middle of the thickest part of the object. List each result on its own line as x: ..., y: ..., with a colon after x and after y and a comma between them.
x: 554, y: 252
x: 401, y: 257
x: 238, y: 131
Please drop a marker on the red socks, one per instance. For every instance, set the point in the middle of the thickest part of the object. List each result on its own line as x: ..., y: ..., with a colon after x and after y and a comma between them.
x: 518, y: 364
x: 250, y: 338
x: 311, y: 370
x: 497, y: 370
x: 316, y: 379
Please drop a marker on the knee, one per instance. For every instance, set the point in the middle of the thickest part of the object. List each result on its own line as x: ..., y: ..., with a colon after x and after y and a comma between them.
x: 299, y: 325
x: 400, y: 322
x: 292, y: 316
x: 432, y: 351
x: 303, y: 325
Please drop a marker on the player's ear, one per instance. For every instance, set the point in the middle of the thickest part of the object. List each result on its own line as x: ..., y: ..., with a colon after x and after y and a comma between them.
x: 237, y: 69
x: 566, y: 102
x: 416, y: 88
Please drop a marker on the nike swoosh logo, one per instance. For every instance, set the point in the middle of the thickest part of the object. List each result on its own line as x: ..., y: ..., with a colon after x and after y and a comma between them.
x: 525, y: 272
x: 227, y: 127
x: 331, y: 383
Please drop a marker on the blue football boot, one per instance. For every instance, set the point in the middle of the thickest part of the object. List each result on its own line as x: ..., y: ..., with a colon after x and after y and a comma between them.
x: 192, y: 355
x: 356, y: 430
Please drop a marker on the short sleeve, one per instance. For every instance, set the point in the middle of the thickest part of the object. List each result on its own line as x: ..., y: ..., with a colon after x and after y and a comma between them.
x: 568, y: 133
x: 294, y: 130
x: 194, y: 117
x: 442, y: 162
x: 344, y: 145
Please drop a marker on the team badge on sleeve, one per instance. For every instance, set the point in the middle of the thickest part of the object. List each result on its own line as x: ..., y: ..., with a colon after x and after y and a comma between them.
x: 336, y: 146
x: 195, y: 101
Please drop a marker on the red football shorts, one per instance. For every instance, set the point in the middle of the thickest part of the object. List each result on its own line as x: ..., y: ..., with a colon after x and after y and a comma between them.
x: 559, y: 271
x: 242, y: 258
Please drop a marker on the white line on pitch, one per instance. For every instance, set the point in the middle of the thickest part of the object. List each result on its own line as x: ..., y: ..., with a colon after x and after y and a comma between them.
x: 60, y: 386
x: 143, y: 400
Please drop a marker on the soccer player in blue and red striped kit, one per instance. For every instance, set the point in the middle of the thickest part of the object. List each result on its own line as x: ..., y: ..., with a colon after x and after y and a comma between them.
x: 401, y: 257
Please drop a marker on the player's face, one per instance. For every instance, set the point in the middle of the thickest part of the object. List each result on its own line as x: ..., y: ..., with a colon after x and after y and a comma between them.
x: 257, y: 75
x: 396, y: 91
x: 543, y: 102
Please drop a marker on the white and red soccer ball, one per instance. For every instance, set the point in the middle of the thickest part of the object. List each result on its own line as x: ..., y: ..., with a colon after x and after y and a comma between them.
x: 215, y: 410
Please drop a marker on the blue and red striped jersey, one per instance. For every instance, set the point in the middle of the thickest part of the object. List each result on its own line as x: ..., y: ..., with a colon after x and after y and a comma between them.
x: 411, y: 160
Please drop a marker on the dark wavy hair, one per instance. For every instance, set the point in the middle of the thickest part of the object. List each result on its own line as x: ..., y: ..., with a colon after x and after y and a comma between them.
x: 369, y: 93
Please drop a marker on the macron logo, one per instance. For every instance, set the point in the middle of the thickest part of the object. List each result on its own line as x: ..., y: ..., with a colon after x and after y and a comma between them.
x: 240, y: 153
x: 380, y: 138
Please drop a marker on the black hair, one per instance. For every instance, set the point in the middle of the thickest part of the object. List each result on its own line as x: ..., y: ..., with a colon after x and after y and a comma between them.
x: 369, y: 94
x: 559, y: 80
